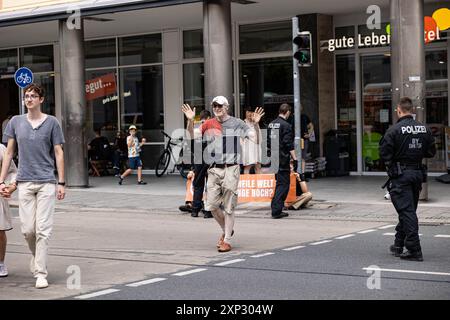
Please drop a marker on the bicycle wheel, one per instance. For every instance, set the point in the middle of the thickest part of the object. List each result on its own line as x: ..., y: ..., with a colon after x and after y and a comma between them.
x: 163, y: 163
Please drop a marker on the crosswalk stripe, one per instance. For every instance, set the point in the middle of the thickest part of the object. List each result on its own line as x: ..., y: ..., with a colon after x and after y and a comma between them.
x: 229, y: 262
x: 366, y: 231
x: 144, y: 282
x: 262, y: 255
x: 409, y: 271
x: 345, y: 237
x: 97, y: 294
x: 320, y: 242
x: 184, y: 273
x: 293, y: 248
x: 442, y: 236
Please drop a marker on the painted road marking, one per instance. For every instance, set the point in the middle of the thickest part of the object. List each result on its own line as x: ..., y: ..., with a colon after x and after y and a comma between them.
x: 97, y: 294
x: 229, y: 262
x: 293, y: 248
x: 184, y: 273
x: 262, y: 255
x: 144, y: 282
x: 387, y: 227
x: 345, y: 237
x: 410, y: 271
x: 366, y: 231
x: 389, y: 234
x: 320, y: 242
x: 442, y: 236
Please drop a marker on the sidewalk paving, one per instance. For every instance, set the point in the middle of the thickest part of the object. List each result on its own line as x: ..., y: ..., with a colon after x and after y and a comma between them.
x: 338, y: 198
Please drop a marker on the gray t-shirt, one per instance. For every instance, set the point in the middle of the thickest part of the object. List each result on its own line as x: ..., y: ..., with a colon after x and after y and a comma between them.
x: 224, y: 145
x: 36, y: 147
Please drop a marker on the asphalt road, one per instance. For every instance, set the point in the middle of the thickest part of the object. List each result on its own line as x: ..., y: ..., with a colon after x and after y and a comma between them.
x: 331, y: 268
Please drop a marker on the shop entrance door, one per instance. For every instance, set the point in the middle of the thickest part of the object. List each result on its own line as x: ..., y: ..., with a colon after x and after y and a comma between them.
x: 9, y: 102
x: 376, y: 107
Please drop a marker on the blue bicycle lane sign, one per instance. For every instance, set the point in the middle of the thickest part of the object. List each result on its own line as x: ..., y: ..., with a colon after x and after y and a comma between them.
x: 23, y: 77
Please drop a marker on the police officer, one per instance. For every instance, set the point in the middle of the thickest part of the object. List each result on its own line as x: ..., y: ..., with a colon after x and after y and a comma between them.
x: 402, y: 149
x: 282, y: 131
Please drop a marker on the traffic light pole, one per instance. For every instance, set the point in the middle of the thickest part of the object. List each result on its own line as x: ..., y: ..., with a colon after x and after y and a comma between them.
x: 297, y: 110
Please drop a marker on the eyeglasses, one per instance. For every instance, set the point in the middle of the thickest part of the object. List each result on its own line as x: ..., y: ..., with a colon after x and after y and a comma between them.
x: 216, y: 105
x: 31, y: 96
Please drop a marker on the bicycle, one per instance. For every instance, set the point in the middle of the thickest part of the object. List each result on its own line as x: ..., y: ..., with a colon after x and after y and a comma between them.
x: 167, y: 154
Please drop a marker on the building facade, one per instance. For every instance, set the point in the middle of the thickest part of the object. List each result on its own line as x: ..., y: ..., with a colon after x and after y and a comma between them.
x: 143, y: 59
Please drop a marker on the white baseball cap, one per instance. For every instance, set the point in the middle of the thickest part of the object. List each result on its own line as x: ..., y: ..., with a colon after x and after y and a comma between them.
x: 220, y: 100
x: 132, y: 127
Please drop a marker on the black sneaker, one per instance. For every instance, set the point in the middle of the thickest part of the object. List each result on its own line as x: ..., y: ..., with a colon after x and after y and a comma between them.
x: 120, y: 180
x: 142, y: 182
x: 207, y: 214
x: 281, y: 215
x: 396, y: 251
x: 412, y: 256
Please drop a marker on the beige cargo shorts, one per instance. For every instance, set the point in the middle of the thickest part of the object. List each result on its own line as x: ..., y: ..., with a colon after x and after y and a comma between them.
x: 222, y: 188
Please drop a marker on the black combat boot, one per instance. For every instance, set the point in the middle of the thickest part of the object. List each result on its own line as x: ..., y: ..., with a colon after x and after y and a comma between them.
x: 395, y: 250
x: 412, y: 255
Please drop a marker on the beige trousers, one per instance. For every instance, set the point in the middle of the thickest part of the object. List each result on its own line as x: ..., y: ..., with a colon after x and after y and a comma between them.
x: 36, y: 208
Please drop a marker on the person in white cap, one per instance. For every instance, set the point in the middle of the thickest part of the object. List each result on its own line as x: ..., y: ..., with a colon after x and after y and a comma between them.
x: 134, y: 159
x: 223, y: 154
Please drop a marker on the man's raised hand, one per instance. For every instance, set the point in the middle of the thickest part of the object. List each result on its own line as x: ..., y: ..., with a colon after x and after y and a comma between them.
x: 188, y: 111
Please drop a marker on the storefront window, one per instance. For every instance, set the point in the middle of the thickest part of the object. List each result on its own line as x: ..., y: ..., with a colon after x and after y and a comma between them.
x: 100, y: 53
x: 346, y: 103
x: 101, y: 99
x: 376, y: 105
x: 141, y: 101
x: 193, y: 44
x: 38, y: 59
x: 265, y: 37
x: 267, y: 83
x: 193, y: 85
x: 141, y: 96
x: 437, y: 104
x: 8, y: 61
x: 140, y: 50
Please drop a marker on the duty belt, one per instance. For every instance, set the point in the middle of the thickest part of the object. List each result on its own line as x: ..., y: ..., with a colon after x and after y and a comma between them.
x: 417, y: 166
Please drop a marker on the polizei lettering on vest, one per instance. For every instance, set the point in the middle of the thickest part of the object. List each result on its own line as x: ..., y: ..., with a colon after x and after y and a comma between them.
x: 414, y: 129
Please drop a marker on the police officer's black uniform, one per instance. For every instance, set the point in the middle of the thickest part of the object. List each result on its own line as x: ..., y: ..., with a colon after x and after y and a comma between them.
x: 402, y: 149
x: 281, y: 130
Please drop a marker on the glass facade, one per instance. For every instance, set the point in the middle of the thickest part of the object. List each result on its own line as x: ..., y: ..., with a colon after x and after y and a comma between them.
x: 266, y: 83
x: 265, y: 37
x: 436, y: 99
x: 376, y: 107
x: 134, y: 94
x: 346, y: 103
x: 194, y: 85
x: 192, y: 44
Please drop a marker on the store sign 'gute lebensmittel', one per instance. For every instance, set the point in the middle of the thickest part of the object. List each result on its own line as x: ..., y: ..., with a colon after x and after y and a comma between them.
x: 439, y: 21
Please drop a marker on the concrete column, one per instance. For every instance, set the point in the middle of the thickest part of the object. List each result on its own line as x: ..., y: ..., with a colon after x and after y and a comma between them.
x: 217, y: 50
x: 408, y: 57
x: 73, y: 104
x: 407, y: 53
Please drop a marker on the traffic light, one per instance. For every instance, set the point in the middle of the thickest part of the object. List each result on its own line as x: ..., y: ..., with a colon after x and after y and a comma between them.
x: 303, y: 54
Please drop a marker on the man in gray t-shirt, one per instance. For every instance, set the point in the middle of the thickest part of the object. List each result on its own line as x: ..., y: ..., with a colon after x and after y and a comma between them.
x: 223, y: 154
x: 39, y: 139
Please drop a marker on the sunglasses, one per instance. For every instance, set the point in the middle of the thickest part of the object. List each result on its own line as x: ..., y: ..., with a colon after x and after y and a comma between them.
x: 216, y: 105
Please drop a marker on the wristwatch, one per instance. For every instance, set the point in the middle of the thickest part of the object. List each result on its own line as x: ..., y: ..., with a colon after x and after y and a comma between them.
x: 61, y: 183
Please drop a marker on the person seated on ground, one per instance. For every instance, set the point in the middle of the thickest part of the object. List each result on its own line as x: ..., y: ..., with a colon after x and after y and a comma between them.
x: 303, y: 195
